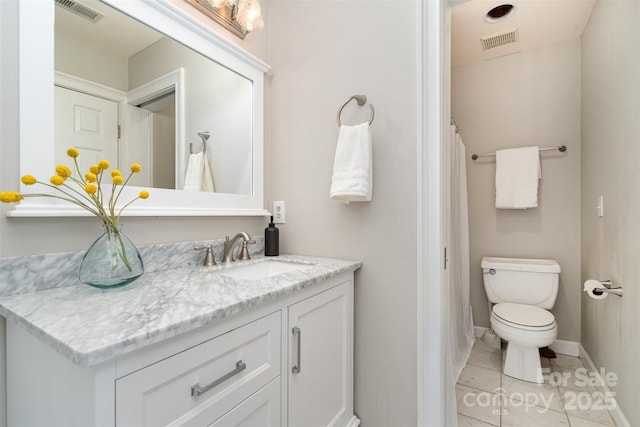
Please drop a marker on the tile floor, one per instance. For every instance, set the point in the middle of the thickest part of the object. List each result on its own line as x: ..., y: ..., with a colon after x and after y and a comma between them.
x: 486, y: 397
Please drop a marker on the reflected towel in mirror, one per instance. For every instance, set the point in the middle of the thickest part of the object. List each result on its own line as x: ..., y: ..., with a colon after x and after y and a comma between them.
x: 198, y: 176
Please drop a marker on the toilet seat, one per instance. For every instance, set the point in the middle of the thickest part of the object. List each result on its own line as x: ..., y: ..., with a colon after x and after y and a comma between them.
x: 524, y: 317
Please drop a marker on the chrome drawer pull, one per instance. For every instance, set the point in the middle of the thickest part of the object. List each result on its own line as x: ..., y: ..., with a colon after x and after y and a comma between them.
x: 297, y: 366
x: 196, y: 390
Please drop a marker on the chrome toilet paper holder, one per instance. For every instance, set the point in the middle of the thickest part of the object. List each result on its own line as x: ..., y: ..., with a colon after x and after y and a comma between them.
x: 608, y: 288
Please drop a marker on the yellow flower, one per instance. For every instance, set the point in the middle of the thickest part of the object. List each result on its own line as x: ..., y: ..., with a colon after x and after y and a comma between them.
x: 103, y: 164
x: 73, y: 152
x: 91, y: 177
x: 95, y: 169
x: 117, y: 180
x: 144, y: 195
x: 29, y: 180
x: 135, y: 168
x: 115, y: 173
x: 57, y: 180
x: 90, y: 188
x: 10, y: 197
x: 63, y: 171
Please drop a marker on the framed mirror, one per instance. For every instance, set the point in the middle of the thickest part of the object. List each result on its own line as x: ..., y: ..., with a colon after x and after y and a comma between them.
x: 199, y: 89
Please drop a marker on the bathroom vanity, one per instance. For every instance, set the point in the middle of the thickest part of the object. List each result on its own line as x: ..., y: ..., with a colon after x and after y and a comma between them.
x: 193, y: 346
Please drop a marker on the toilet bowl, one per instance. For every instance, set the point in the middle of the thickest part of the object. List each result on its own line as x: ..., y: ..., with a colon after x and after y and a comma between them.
x: 526, y: 328
x: 521, y: 291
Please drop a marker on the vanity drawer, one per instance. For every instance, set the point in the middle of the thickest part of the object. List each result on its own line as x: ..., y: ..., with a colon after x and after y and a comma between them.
x: 199, y: 385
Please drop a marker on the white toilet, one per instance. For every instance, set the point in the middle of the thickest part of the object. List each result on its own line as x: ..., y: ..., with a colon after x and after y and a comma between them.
x: 522, y: 290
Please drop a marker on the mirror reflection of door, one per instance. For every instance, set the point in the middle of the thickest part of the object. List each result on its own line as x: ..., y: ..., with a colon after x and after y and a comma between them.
x: 88, y: 123
x: 152, y: 138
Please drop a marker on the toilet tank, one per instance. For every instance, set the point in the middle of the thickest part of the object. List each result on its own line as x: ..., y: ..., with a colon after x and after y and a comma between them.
x: 522, y: 281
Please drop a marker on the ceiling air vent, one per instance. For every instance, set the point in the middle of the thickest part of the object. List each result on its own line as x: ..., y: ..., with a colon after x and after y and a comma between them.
x: 80, y: 9
x: 496, y: 40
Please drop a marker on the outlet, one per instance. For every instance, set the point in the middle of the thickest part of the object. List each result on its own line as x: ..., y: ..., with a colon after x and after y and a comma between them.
x: 278, y: 212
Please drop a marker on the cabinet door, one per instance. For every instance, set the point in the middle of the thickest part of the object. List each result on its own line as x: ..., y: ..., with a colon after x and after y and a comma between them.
x: 320, y: 369
x: 260, y: 410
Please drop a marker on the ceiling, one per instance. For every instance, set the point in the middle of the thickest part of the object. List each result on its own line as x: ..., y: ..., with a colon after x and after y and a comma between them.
x: 117, y: 32
x: 538, y: 23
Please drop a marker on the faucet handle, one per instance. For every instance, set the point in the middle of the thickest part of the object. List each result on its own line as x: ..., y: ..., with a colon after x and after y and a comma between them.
x: 244, y: 253
x: 209, y: 259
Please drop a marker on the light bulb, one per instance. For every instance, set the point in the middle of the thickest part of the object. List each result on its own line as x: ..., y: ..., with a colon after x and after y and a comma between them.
x: 250, y: 14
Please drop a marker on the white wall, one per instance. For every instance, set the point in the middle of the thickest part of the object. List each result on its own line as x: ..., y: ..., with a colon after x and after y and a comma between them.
x: 611, y: 155
x: 322, y: 52
x: 529, y: 98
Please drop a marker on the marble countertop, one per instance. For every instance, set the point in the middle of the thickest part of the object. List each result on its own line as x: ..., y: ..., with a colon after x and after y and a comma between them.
x: 90, y: 326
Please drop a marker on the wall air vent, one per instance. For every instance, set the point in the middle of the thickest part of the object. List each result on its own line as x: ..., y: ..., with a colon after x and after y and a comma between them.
x: 496, y: 40
x: 80, y: 9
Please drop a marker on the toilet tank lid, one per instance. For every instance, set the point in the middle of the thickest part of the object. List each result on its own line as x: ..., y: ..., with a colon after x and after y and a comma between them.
x: 521, y: 264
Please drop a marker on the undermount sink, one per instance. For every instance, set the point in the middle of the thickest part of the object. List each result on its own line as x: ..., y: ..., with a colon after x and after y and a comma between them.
x: 263, y: 270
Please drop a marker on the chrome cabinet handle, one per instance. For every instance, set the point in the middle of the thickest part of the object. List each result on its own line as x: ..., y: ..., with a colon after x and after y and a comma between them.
x: 196, y: 390
x: 297, y: 366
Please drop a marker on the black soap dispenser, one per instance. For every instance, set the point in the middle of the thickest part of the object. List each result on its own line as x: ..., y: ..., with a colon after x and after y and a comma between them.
x: 271, y: 240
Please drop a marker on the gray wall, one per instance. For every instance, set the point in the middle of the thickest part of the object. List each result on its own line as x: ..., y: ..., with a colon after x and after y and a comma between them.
x: 611, y: 155
x: 322, y: 52
x: 524, y: 99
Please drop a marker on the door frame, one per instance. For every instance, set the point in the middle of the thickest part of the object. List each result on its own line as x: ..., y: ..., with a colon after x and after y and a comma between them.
x: 433, y: 125
x: 172, y: 81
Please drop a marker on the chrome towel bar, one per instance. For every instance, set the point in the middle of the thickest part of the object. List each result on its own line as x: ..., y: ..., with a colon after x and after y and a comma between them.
x: 561, y: 148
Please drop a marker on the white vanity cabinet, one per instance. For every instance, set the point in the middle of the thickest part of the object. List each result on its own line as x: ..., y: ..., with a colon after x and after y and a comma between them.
x: 248, y: 369
x: 321, y: 360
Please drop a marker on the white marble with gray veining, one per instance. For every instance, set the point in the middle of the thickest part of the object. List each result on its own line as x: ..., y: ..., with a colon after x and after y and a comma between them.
x: 90, y: 326
x: 55, y: 270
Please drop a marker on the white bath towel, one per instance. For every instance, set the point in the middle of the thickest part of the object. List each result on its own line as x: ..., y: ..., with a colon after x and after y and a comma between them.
x: 352, y: 179
x: 198, y: 177
x: 517, y: 175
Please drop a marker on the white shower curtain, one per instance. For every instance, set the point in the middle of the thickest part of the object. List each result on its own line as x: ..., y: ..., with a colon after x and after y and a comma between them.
x: 461, y: 321
x: 461, y: 336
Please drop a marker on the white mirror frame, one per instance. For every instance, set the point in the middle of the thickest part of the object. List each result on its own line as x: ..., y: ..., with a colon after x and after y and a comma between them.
x: 36, y: 67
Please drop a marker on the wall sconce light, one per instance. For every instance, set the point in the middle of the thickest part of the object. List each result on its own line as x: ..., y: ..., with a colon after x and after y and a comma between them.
x: 238, y: 16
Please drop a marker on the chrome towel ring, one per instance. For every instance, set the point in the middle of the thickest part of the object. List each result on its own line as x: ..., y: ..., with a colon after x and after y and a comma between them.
x: 204, y: 136
x: 361, y: 100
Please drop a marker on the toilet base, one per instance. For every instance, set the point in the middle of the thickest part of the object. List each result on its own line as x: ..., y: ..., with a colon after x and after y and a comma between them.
x: 523, y: 363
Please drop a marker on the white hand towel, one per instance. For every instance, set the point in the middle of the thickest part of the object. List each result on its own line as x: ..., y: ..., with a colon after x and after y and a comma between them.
x: 352, y: 179
x: 198, y: 177
x: 517, y: 175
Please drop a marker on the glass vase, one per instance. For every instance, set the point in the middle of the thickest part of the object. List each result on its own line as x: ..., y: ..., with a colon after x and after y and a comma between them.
x: 111, y: 261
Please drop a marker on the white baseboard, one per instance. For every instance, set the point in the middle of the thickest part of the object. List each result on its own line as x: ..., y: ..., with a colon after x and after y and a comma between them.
x: 618, y: 416
x: 478, y: 331
x: 570, y: 348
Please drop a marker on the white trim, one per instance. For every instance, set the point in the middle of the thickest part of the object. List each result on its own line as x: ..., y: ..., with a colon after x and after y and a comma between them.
x: 430, y: 293
x: 172, y: 81
x: 570, y: 348
x: 618, y: 416
x: 478, y: 331
x: 79, y: 84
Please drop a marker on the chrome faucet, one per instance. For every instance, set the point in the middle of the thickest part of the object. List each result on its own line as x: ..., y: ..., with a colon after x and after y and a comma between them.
x: 229, y: 245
